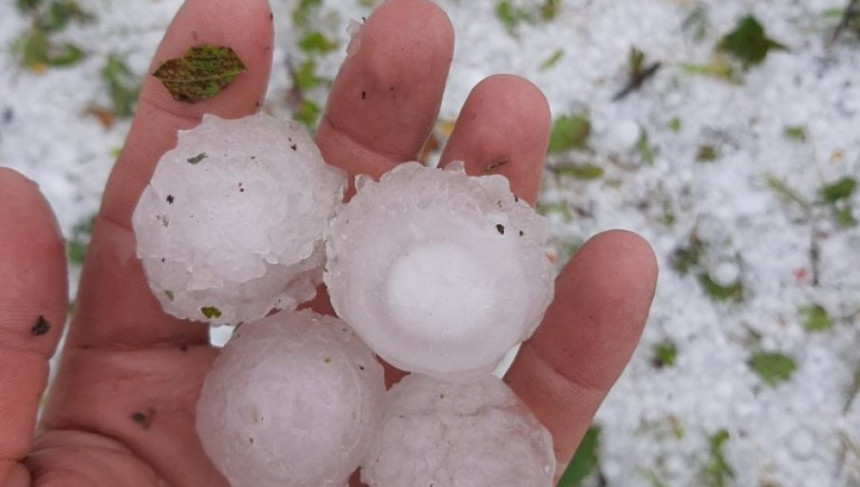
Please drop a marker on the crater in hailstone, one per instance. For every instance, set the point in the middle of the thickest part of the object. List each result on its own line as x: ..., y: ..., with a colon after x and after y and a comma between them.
x: 440, y: 273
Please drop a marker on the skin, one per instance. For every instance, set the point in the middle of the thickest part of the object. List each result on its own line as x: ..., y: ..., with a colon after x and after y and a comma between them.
x: 121, y: 411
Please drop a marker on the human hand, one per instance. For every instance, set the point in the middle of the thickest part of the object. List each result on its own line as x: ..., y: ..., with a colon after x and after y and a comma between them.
x: 121, y: 410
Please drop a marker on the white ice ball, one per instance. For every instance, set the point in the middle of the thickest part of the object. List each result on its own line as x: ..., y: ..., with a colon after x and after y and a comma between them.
x: 458, y: 435
x: 231, y: 225
x: 440, y: 273
x: 292, y: 400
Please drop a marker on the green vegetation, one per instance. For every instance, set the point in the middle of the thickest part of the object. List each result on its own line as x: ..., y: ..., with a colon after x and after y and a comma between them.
x: 569, y: 132
x: 306, y: 77
x: 795, y: 132
x: 788, y: 193
x: 76, y: 244
x: 838, y: 191
x: 675, y: 125
x: 585, y: 462
x: 686, y: 258
x: 210, y: 312
x: 304, y: 11
x: 665, y: 354
x: 718, y: 292
x: 815, y: 318
x: 637, y: 72
x: 837, y: 195
x: 772, y: 368
x: 512, y: 16
x: 306, y: 94
x: 744, y: 47
x: 552, y: 60
x: 748, y: 43
x: 36, y: 49
x: 201, y: 73
x: 718, y: 472
x: 646, y: 151
x: 308, y: 114
x: 317, y: 42
x: 123, y: 86
x: 717, y: 68
x: 585, y: 172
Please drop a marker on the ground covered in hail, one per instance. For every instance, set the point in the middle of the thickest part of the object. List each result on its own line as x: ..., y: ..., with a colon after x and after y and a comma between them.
x: 724, y: 132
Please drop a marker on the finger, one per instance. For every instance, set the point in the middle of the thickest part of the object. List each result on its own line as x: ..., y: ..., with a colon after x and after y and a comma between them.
x: 115, y: 306
x: 387, y: 94
x: 386, y: 97
x: 32, y: 311
x: 503, y: 129
x: 587, y: 336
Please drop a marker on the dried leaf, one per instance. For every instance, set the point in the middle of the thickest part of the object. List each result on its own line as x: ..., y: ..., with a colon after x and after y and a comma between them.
x: 203, y: 72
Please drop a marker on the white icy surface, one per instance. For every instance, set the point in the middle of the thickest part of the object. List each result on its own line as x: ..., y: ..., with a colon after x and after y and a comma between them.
x: 458, y: 435
x: 292, y: 400
x: 440, y: 273
x: 232, y: 221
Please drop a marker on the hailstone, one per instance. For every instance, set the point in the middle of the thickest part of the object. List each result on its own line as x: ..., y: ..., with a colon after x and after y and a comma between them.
x: 231, y: 225
x: 292, y: 400
x: 440, y: 273
x: 458, y: 435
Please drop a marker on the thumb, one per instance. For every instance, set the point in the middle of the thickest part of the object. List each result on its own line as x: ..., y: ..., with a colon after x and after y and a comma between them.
x: 33, y: 298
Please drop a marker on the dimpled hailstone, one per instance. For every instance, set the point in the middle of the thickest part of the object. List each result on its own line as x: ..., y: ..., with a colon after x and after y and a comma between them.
x: 292, y: 400
x: 458, y: 435
x: 231, y: 224
x: 439, y: 273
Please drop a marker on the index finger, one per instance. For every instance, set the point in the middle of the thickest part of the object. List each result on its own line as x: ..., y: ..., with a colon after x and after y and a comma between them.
x: 115, y: 307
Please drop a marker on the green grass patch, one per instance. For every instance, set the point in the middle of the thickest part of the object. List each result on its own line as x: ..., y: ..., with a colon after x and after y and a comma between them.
x: 35, y: 49
x: 748, y: 43
x: 646, y: 151
x: 718, y: 472
x: 569, y: 132
x: 795, y: 132
x: 316, y: 42
x: 123, y: 86
x: 585, y: 172
x: 552, y: 60
x: 773, y: 368
x: 76, y: 244
x: 718, y: 292
x: 815, y: 318
x: 838, y: 191
x: 664, y: 354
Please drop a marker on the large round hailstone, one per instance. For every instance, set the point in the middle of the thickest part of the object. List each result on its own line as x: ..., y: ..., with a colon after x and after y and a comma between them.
x: 440, y: 273
x: 292, y: 400
x: 458, y: 435
x: 231, y: 225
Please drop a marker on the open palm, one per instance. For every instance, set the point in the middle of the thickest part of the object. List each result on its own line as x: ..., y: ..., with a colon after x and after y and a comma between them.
x: 121, y: 411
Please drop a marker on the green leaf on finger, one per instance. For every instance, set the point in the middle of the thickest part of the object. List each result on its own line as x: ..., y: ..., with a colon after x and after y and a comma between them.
x: 201, y: 73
